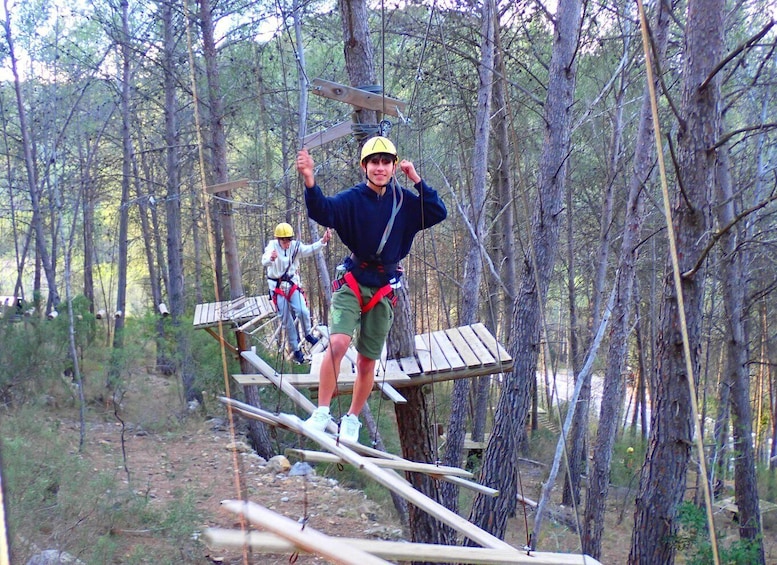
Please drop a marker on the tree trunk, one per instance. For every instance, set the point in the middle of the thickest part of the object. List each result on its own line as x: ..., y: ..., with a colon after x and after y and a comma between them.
x: 642, y: 366
x: 501, y: 457
x: 183, y: 360
x: 473, y: 261
x: 612, y: 396
x: 662, y: 483
x: 414, y: 428
x: 576, y: 443
x: 737, y: 362
x: 126, y: 171
x: 41, y: 250
x: 258, y: 434
x: 358, y: 50
x: 502, y: 291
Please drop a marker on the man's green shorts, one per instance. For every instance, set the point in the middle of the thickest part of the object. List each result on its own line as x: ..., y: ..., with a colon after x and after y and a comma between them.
x: 371, y: 328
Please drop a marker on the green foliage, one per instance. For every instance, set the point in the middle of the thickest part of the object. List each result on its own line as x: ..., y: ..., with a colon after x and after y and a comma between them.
x: 627, y: 457
x: 693, y: 540
x: 767, y: 483
x: 32, y: 357
x: 84, y: 323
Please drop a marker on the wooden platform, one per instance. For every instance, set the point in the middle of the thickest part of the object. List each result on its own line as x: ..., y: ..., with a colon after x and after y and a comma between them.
x: 457, y: 353
x: 239, y: 311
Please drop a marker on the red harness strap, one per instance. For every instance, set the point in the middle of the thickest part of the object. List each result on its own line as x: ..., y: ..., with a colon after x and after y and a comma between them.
x: 294, y: 288
x: 384, y: 291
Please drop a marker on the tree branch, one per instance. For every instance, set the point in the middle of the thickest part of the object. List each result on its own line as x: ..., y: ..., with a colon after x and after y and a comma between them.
x: 722, y: 231
x: 741, y: 47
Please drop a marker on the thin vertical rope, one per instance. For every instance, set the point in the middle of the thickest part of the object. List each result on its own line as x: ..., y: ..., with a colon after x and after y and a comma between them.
x: 211, y: 242
x: 678, y: 286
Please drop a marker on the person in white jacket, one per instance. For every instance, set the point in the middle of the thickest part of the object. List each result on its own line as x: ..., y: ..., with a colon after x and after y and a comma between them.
x: 281, y: 259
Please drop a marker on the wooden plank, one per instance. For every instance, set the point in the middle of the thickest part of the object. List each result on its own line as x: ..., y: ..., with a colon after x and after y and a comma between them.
x: 391, y: 393
x: 489, y: 340
x: 359, y: 98
x: 469, y: 335
x: 462, y: 347
x: 307, y: 539
x: 410, y: 366
x: 454, y: 359
x: 311, y: 380
x: 396, y: 464
x: 238, y: 311
x: 198, y: 313
x: 392, y: 482
x: 432, y: 359
x: 399, y: 551
x: 482, y: 489
x: 318, y: 139
x: 226, y: 186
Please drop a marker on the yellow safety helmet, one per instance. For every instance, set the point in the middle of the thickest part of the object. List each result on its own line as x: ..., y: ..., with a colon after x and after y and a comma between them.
x: 378, y: 144
x: 284, y: 230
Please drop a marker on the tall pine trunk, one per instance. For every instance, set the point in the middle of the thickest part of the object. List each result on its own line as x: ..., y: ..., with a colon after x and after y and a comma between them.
x: 501, y: 457
x: 663, y: 478
x: 473, y: 261
x: 617, y: 353
x: 738, y: 361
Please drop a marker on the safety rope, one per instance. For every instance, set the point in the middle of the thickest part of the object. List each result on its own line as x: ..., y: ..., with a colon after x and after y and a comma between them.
x: 236, y: 464
x: 698, y: 441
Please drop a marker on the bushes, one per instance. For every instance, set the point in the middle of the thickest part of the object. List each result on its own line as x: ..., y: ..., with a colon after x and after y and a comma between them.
x: 693, y: 540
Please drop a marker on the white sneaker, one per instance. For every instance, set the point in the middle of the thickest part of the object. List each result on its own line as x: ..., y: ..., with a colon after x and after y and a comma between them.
x: 349, y: 428
x: 319, y: 419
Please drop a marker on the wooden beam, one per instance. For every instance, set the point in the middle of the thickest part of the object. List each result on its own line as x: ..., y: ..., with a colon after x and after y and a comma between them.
x: 269, y: 373
x: 272, y: 420
x: 403, y: 464
x: 359, y: 98
x: 226, y: 186
x: 390, y: 392
x: 392, y: 482
x: 396, y: 464
x: 348, y: 451
x: 482, y: 489
x: 345, y: 382
x: 313, y: 140
x: 264, y: 542
x: 223, y: 341
x: 308, y: 539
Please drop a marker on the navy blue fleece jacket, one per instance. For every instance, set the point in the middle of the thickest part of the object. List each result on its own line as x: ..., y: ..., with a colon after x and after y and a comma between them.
x: 360, y: 217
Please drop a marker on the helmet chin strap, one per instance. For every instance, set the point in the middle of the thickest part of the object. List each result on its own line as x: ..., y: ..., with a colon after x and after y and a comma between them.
x: 375, y: 184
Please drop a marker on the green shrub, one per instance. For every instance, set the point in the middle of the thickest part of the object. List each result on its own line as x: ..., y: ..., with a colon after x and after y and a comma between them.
x: 693, y: 540
x: 627, y: 458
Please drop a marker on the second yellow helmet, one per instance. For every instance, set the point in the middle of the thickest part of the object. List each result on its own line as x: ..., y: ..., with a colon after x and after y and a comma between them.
x: 284, y: 230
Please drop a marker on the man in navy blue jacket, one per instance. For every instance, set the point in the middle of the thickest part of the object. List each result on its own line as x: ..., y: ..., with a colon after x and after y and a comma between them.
x: 377, y: 220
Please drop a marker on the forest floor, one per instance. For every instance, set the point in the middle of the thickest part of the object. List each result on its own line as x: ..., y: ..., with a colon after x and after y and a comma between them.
x: 198, y: 455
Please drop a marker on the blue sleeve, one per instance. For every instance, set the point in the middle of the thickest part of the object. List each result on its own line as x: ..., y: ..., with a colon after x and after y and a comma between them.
x: 433, y: 208
x: 320, y: 208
